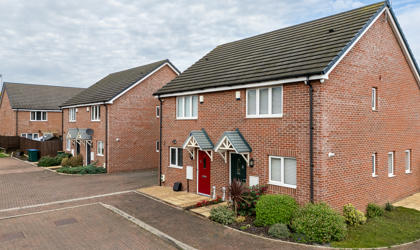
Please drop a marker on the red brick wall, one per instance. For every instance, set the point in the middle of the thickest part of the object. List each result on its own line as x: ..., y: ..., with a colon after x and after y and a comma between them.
x: 133, y: 121
x: 25, y: 125
x: 351, y: 130
x: 220, y: 111
x: 344, y: 124
x: 83, y: 121
x: 7, y: 117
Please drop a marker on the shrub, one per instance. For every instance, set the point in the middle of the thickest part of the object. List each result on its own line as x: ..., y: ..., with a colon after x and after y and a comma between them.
x: 222, y: 215
x: 279, y: 231
x: 236, y: 190
x: 319, y: 223
x: 89, y: 169
x: 389, y: 207
x: 250, y: 198
x: 374, y: 210
x: 74, y: 161
x: 65, y: 162
x: 272, y: 209
x: 353, y: 216
x: 46, y: 161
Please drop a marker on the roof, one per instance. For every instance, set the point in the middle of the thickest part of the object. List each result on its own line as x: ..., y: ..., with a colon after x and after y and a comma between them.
x: 84, y: 134
x: 306, y: 49
x: 237, y: 140
x: 72, y: 133
x: 109, y: 87
x: 202, y: 139
x: 38, y: 97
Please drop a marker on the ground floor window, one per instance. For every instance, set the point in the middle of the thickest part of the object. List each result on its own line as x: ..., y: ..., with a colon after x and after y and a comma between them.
x: 391, y: 164
x: 373, y: 159
x: 282, y: 171
x: 100, y: 148
x: 175, y: 156
x: 32, y: 136
x: 408, y: 161
x: 68, y: 144
x: 157, y: 146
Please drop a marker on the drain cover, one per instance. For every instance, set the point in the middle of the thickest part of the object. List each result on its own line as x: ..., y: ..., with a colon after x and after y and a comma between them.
x: 65, y: 221
x: 11, y: 236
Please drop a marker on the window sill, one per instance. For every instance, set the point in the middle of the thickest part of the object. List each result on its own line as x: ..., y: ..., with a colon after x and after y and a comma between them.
x: 263, y: 116
x: 39, y: 121
x: 72, y: 121
x: 281, y: 184
x: 408, y: 171
x: 95, y: 120
x: 184, y: 119
x: 391, y: 175
x: 99, y: 155
x: 177, y: 167
x: 374, y: 175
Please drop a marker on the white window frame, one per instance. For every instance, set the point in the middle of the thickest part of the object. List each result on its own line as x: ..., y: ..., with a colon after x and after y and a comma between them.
x: 72, y: 115
x: 373, y: 164
x: 157, y: 111
x: 176, y: 157
x: 68, y: 144
x: 280, y: 183
x: 270, y: 102
x: 407, y: 153
x: 23, y: 135
x: 42, y: 120
x: 95, y: 113
x: 374, y: 100
x: 33, y: 136
x: 183, y: 117
x: 157, y: 146
x: 100, y: 150
x: 392, y: 174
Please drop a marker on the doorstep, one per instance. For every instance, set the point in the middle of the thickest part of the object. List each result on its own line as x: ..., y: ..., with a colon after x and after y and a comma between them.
x: 181, y: 199
x: 205, y: 211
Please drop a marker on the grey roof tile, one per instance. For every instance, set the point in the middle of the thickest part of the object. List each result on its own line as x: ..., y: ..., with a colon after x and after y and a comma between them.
x: 202, y: 139
x: 237, y: 140
x: 304, y: 49
x: 110, y: 86
x: 38, y: 97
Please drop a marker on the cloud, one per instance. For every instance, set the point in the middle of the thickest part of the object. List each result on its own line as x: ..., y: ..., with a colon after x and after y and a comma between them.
x: 78, y: 42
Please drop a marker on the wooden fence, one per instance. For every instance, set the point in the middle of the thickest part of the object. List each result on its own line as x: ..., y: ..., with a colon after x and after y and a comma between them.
x: 49, y: 147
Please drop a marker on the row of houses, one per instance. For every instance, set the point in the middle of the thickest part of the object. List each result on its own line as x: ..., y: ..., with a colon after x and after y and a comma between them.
x: 327, y: 110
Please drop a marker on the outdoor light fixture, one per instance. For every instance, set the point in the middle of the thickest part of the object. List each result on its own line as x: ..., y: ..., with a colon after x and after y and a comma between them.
x: 251, y: 163
x: 174, y: 141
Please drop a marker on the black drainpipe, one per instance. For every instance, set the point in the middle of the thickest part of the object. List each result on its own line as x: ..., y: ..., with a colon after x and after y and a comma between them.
x: 62, y: 126
x: 17, y: 119
x: 311, y: 140
x: 106, y: 137
x: 160, y: 140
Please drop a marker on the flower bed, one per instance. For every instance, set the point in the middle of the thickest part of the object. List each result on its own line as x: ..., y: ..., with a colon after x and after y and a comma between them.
x: 204, y: 203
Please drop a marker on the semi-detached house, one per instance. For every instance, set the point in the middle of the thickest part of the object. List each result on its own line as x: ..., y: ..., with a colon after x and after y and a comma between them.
x: 115, y: 122
x: 32, y: 110
x: 327, y: 110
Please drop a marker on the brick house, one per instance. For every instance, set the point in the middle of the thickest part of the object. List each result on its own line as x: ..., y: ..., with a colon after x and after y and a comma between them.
x: 115, y: 122
x: 31, y: 110
x: 327, y: 110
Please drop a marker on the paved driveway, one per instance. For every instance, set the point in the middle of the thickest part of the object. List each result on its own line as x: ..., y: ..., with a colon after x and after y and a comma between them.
x: 22, y: 184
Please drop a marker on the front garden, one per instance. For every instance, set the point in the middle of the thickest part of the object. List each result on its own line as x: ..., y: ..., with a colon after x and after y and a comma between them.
x: 280, y: 217
x: 70, y: 164
x: 3, y: 155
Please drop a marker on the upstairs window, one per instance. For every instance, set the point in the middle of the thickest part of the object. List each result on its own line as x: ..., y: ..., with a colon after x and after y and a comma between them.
x: 38, y: 116
x: 95, y: 113
x: 264, y: 102
x: 157, y: 146
x: 72, y: 114
x: 374, y: 99
x: 187, y: 107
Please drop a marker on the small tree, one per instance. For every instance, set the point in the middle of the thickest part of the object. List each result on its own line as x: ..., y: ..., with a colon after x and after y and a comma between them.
x: 237, y: 189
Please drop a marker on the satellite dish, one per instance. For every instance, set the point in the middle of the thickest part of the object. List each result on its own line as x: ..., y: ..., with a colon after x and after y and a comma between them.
x: 89, y: 131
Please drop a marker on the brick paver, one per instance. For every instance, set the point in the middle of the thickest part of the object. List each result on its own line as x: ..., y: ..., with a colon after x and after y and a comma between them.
x: 86, y: 227
x: 33, y: 185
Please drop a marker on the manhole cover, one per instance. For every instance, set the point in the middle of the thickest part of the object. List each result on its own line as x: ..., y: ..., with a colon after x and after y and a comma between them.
x: 65, y: 221
x: 11, y: 236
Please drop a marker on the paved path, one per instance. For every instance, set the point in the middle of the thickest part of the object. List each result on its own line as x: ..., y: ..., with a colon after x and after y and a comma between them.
x: 412, y: 201
x: 22, y: 184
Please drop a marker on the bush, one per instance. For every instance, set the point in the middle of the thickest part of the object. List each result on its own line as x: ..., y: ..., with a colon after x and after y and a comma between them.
x: 65, y: 162
x: 353, y: 216
x: 279, y: 231
x: 374, y: 210
x: 222, y: 215
x: 319, y: 223
x: 89, y: 169
x: 75, y: 161
x: 47, y: 161
x: 246, y: 207
x: 389, y: 207
x: 272, y: 209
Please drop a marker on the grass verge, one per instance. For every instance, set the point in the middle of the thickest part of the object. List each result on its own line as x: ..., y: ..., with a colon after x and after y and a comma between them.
x: 396, y: 227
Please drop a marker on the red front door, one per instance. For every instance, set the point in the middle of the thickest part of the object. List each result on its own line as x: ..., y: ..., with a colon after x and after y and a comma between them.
x: 203, y: 173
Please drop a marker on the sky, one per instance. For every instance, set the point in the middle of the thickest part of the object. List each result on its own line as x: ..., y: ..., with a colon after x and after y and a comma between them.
x: 76, y: 43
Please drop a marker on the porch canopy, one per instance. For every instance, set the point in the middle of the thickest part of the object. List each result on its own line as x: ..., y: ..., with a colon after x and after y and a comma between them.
x: 198, y: 139
x: 84, y: 135
x: 72, y: 133
x: 233, y: 141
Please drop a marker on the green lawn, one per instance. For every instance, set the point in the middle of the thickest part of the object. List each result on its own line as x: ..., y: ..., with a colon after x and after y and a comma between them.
x: 396, y: 227
x: 3, y: 155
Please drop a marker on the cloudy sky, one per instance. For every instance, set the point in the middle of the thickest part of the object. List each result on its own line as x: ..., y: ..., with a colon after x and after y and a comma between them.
x: 77, y: 42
